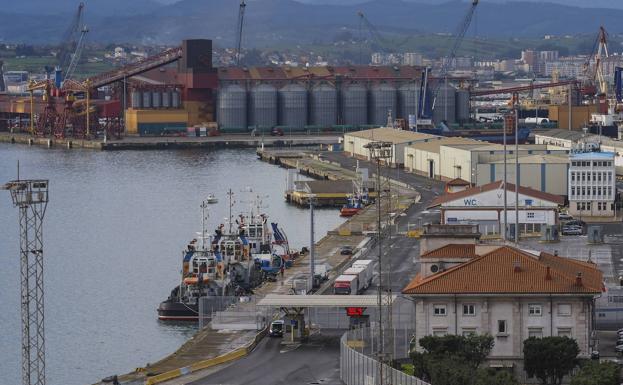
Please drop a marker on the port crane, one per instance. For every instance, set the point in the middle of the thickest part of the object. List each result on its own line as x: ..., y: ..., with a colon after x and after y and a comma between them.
x: 383, y: 44
x: 449, y: 58
x: 75, y: 58
x: 239, y: 26
x: 594, y: 76
x: 70, y: 45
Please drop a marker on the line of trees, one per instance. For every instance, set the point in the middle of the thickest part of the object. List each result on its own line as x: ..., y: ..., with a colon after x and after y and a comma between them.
x: 457, y: 360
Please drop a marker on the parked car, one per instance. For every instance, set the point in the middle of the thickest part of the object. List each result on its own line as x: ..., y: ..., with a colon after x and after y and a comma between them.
x: 276, y: 328
x: 576, y: 222
x: 594, y: 355
x: 564, y: 217
x: 571, y: 230
x: 346, y: 250
x: 276, y: 132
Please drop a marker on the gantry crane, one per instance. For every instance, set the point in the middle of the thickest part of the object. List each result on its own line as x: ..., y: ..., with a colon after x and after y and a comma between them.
x: 47, y: 119
x: 446, y: 64
x: 243, y: 5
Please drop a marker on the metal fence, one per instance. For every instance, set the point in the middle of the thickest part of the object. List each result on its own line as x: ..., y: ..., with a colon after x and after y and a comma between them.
x: 233, y: 313
x: 358, y: 369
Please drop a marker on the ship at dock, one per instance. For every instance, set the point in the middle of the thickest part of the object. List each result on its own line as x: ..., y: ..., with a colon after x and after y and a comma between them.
x: 231, y: 262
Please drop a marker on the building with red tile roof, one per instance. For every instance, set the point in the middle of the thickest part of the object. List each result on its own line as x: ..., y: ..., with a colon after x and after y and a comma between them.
x: 509, y: 293
x: 484, y: 206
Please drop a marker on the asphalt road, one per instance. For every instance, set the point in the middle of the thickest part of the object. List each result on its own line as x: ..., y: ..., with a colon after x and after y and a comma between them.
x: 314, y: 362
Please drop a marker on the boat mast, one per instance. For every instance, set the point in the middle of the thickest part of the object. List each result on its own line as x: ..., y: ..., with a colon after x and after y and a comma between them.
x: 204, y: 207
x: 230, y: 194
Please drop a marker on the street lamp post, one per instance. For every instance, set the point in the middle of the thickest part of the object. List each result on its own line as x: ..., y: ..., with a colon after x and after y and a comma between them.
x: 379, y: 151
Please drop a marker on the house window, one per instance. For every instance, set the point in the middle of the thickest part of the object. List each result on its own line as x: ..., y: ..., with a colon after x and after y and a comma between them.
x: 588, y: 176
x: 535, y: 332
x: 564, y: 309
x: 609, y: 191
x: 564, y: 332
x: 595, y: 163
x: 439, y: 310
x: 583, y: 176
x: 599, y: 177
x: 594, y: 190
x: 573, y: 176
x: 440, y: 332
x: 502, y: 327
x: 577, y: 206
x: 535, y: 309
x: 469, y: 331
x: 609, y: 177
x: 469, y: 309
x: 588, y: 205
x: 573, y: 191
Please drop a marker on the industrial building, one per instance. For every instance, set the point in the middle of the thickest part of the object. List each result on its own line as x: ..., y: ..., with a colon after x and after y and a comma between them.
x: 355, y: 142
x: 423, y: 157
x: 542, y: 172
x: 583, y: 141
x: 484, y: 206
x: 563, y: 138
x: 481, y: 163
x: 592, y: 184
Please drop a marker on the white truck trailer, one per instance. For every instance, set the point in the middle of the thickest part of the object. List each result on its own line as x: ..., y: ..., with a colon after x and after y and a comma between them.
x: 346, y: 285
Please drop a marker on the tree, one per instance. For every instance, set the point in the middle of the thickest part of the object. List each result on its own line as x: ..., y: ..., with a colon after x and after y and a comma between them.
x: 454, y: 360
x: 597, y: 373
x: 473, y: 349
x: 493, y: 377
x: 549, y: 359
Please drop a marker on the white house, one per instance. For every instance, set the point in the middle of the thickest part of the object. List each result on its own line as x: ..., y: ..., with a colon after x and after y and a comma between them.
x: 507, y: 293
x: 592, y: 187
x: 484, y: 206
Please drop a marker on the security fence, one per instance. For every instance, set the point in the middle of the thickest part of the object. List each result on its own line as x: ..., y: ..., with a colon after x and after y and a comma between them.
x: 231, y: 312
x: 356, y: 368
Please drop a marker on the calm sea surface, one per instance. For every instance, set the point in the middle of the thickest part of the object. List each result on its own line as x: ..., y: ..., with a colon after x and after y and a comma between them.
x: 113, y: 234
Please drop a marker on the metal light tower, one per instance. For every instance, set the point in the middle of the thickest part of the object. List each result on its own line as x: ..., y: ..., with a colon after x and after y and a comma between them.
x: 31, y: 197
x: 380, y: 151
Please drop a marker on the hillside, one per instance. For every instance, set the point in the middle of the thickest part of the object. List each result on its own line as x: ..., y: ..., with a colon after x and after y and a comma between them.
x: 287, y: 22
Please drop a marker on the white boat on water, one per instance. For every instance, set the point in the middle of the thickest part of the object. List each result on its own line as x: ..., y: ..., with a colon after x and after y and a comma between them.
x: 211, y: 199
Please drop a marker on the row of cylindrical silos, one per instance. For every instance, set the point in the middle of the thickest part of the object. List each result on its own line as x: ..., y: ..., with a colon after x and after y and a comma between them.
x: 296, y: 106
x: 452, y: 105
x: 140, y: 99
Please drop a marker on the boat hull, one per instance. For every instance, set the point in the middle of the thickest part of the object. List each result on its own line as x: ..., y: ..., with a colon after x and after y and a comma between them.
x: 178, y: 311
x: 348, y: 212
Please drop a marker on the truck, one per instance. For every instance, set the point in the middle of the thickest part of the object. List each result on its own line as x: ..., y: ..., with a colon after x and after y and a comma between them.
x: 362, y: 274
x: 346, y: 285
x: 368, y: 264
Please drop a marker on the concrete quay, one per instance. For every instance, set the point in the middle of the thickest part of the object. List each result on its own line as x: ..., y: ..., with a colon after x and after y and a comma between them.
x: 173, y: 142
x: 209, y: 344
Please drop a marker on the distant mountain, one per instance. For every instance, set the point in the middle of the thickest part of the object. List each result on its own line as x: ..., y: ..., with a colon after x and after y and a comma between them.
x: 93, y: 8
x: 288, y: 22
x: 613, y: 4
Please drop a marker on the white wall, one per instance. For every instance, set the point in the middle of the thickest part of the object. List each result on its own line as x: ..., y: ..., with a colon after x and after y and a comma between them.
x: 514, y: 310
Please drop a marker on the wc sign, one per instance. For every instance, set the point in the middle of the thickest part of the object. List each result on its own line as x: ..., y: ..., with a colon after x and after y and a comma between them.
x: 470, y: 202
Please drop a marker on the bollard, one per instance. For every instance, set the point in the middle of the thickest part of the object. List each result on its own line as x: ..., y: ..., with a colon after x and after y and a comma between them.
x: 49, y: 143
x: 69, y: 144
x: 30, y: 142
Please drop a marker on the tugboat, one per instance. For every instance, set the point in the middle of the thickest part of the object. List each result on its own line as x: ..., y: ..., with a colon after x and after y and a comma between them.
x: 237, y: 258
x: 353, y: 206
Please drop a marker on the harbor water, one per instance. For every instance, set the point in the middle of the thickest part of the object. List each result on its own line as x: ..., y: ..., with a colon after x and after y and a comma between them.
x: 113, y: 234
